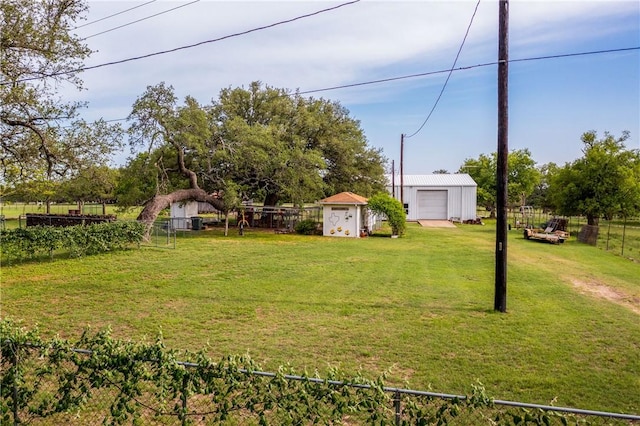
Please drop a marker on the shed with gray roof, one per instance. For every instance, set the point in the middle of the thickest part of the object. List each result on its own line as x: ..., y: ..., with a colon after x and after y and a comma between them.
x: 438, y: 196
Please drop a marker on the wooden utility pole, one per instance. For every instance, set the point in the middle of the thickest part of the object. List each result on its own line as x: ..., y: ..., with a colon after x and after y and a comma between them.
x: 402, y: 170
x: 500, y: 300
x: 393, y: 178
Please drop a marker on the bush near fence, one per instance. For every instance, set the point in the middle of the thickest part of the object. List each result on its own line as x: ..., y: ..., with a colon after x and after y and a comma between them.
x: 118, y: 382
x: 29, y: 243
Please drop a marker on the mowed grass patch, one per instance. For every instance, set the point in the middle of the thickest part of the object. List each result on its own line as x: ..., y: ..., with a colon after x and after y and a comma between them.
x: 418, y: 306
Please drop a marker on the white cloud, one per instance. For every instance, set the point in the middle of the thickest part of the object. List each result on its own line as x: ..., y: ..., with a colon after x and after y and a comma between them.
x: 360, y: 42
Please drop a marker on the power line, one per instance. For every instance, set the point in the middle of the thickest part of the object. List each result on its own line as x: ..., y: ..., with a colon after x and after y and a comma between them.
x: 115, y: 14
x: 162, y: 52
x: 428, y: 73
x: 486, y: 64
x: 141, y: 19
x: 448, y: 76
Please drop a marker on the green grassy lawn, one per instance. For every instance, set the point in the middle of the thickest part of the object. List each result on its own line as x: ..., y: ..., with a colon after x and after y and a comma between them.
x: 420, y: 307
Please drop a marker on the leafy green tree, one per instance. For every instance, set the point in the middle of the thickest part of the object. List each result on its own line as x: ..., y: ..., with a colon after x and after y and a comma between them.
x: 541, y: 196
x: 483, y: 171
x: 273, y: 146
x: 95, y: 183
x: 179, y: 132
x: 284, y: 147
x: 385, y: 204
x: 40, y: 134
x: 603, y: 183
x: 137, y: 182
x: 231, y: 200
x: 38, y: 189
x: 523, y: 177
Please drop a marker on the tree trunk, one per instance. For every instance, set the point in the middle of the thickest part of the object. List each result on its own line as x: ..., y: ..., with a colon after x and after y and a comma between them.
x: 592, y: 220
x: 266, y: 220
x: 271, y: 199
x: 492, y: 212
x: 226, y: 224
x: 153, y: 207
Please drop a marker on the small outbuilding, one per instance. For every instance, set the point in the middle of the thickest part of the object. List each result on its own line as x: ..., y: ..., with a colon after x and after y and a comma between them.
x: 437, y: 196
x: 181, y: 214
x: 345, y: 215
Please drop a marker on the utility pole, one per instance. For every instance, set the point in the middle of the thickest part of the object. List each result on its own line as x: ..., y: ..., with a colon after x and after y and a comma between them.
x: 402, y: 170
x: 393, y: 178
x: 500, y: 300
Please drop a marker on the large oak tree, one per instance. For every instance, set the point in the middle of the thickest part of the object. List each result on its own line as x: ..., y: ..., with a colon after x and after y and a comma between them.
x: 261, y: 143
x: 41, y: 137
x: 603, y: 183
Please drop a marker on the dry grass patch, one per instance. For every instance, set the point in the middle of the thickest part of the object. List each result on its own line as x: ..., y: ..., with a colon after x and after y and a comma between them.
x: 603, y: 291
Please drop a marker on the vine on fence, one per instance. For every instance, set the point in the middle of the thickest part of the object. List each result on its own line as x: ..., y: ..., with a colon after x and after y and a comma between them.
x: 143, y: 372
x: 31, y: 242
x: 139, y: 383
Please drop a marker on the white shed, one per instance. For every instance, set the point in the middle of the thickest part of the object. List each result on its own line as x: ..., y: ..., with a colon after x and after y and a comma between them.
x: 344, y: 215
x: 439, y: 196
x: 181, y: 214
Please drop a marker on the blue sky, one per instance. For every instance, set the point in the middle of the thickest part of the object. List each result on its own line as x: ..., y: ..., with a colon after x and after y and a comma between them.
x: 552, y: 102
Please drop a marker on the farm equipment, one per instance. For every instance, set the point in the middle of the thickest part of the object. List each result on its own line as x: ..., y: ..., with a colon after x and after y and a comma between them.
x: 524, y: 217
x: 555, y: 232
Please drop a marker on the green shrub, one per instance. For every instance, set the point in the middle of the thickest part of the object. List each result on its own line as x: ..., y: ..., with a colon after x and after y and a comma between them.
x: 385, y: 204
x: 306, y: 227
x: 79, y: 240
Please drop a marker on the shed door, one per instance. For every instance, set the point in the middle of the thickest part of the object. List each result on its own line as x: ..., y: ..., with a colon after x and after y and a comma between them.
x: 432, y: 204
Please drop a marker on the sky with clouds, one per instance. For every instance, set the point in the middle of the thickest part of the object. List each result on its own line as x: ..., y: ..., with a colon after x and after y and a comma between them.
x: 551, y: 101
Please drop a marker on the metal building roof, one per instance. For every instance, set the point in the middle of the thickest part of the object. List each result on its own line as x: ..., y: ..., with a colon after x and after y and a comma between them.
x: 461, y: 179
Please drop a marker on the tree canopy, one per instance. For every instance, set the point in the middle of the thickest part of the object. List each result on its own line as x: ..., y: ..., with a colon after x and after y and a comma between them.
x: 523, y: 177
x: 41, y: 137
x: 261, y: 143
x: 603, y: 183
x: 541, y: 196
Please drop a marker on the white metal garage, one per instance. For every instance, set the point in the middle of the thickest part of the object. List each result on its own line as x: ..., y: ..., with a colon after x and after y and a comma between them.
x: 432, y: 204
x: 440, y: 196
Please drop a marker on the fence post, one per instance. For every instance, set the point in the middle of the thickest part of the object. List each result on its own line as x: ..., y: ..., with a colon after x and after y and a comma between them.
x: 14, y: 360
x: 398, y: 407
x: 185, y: 384
x: 624, y: 230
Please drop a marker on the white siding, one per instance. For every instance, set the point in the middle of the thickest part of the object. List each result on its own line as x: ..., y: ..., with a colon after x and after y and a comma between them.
x: 181, y: 214
x: 341, y: 220
x: 461, y: 194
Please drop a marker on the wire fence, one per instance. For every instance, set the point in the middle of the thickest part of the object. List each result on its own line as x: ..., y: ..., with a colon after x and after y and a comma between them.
x: 163, y: 234
x: 620, y: 236
x: 45, y: 385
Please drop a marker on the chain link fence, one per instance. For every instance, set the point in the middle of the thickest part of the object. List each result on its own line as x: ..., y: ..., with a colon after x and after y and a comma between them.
x: 45, y: 385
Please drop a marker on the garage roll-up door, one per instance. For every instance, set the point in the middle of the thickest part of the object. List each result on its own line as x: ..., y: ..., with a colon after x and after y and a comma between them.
x: 432, y: 204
